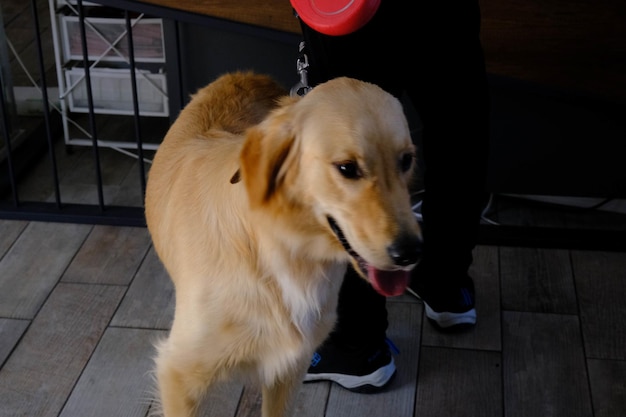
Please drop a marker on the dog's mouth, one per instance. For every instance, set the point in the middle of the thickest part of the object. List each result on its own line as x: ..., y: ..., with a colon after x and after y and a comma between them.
x: 387, y: 282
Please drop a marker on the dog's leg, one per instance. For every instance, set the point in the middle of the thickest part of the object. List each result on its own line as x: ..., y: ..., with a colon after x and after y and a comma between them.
x: 181, y: 386
x: 279, y: 397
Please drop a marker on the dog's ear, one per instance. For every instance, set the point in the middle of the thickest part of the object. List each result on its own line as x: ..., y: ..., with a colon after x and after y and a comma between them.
x: 264, y: 157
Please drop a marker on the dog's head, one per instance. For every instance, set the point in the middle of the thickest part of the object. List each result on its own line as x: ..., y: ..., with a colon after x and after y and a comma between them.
x: 334, y: 168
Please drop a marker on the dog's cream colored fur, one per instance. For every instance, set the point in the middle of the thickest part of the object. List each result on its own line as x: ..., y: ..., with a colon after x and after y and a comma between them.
x: 237, y: 205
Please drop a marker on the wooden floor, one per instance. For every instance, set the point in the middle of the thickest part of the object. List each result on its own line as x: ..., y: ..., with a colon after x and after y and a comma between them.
x: 81, y: 307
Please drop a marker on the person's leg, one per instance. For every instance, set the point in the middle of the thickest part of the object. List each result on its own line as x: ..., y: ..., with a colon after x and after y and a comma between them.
x: 356, y: 354
x: 450, y: 92
x: 399, y: 51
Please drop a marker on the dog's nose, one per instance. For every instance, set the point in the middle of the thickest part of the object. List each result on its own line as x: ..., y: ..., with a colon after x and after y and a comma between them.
x: 406, y: 250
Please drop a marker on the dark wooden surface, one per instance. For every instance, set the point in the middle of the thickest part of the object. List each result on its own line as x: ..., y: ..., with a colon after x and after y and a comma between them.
x: 578, y: 46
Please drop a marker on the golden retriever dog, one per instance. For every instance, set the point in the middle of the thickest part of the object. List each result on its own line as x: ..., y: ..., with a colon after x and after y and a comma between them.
x: 256, y: 203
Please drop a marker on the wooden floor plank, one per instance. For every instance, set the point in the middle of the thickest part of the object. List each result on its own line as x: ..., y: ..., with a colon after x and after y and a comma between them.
x: 130, y: 190
x: 544, y: 366
x: 149, y: 302
x: 601, y: 285
x: 9, y: 232
x: 608, y: 387
x: 77, y: 173
x: 110, y: 255
x: 508, y: 211
x: 459, y: 382
x: 114, y: 167
x: 38, y: 183
x: 486, y: 334
x: 10, y: 332
x: 38, y: 377
x: 312, y: 398
x: 34, y: 264
x: 117, y: 381
x: 538, y: 280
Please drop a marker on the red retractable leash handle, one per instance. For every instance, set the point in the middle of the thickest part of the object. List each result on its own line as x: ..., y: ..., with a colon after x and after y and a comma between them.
x: 335, y: 17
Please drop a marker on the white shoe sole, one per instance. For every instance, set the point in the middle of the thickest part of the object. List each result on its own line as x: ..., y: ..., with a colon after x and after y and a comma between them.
x: 378, y: 378
x: 446, y: 319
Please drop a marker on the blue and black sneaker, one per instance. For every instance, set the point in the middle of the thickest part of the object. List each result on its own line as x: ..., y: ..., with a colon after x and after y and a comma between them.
x: 364, y: 370
x: 448, y: 308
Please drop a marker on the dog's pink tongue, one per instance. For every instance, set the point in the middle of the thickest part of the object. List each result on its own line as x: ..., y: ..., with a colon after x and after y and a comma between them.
x: 388, y: 283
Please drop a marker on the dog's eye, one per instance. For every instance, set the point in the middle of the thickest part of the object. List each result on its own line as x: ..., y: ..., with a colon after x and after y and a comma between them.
x: 349, y: 169
x: 406, y: 162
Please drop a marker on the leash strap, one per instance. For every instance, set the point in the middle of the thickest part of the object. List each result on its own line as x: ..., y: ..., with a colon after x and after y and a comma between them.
x: 302, y: 63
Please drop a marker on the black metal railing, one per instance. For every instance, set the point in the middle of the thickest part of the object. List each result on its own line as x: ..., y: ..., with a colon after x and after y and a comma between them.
x: 12, y: 204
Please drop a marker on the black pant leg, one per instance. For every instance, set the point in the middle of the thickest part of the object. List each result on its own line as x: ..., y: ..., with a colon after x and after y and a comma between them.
x: 450, y: 92
x: 434, y: 54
